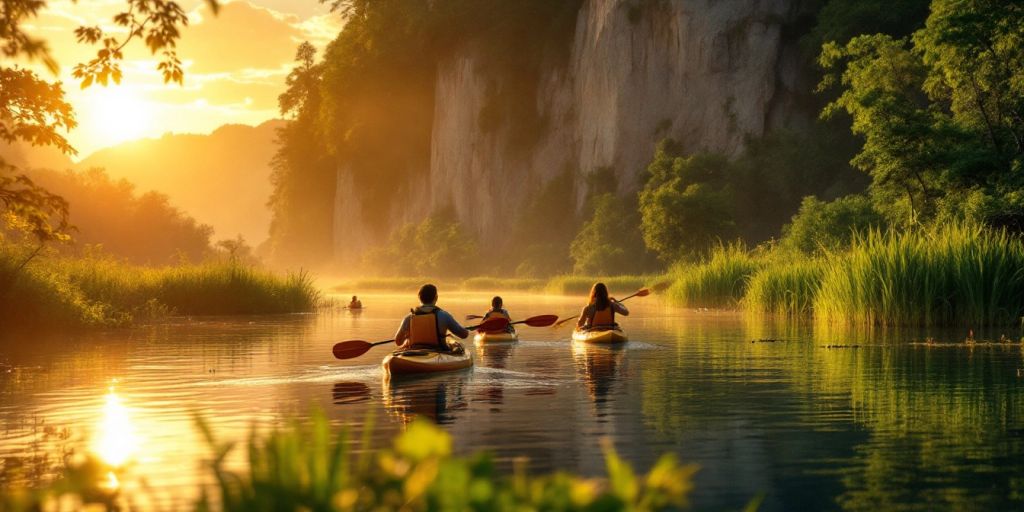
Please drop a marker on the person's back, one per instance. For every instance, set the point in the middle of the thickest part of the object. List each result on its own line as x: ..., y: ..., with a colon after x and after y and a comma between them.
x: 355, y: 303
x: 427, y: 326
x: 600, y: 313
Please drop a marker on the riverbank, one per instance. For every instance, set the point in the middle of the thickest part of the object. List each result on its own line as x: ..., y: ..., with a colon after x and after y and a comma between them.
x: 52, y: 292
x: 559, y: 285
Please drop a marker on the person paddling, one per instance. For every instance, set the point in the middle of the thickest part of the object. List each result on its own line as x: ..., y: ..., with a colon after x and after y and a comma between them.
x: 498, y: 311
x: 427, y: 326
x: 600, y: 313
x: 355, y: 303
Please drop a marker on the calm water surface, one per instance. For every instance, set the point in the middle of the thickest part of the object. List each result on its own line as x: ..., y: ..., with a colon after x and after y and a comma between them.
x: 878, y: 424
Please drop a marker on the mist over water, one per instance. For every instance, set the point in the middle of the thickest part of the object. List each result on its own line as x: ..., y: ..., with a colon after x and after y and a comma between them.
x: 765, y: 407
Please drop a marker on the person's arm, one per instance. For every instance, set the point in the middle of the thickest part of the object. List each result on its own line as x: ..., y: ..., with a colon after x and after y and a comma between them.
x: 583, y: 318
x: 619, y: 308
x: 403, y: 332
x: 454, y: 326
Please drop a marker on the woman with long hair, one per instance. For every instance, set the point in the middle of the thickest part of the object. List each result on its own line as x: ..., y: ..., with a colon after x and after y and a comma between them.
x: 600, y: 313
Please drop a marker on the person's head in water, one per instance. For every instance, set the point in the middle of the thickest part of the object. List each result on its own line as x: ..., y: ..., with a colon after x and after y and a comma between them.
x: 496, y: 303
x: 428, y: 294
x: 599, y: 295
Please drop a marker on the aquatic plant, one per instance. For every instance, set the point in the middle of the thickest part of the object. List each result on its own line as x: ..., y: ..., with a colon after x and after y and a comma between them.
x: 720, y: 281
x: 310, y: 466
x: 57, y: 291
x: 580, y: 285
x: 954, y: 274
x: 784, y: 287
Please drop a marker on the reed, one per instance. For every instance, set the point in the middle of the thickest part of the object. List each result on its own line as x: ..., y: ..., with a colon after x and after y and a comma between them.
x: 718, y: 282
x: 953, y: 274
x: 785, y: 287
x: 310, y: 466
x: 69, y: 292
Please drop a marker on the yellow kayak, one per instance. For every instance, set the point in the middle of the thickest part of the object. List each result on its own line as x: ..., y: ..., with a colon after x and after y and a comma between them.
x: 414, y: 362
x: 606, y: 336
x: 491, y: 337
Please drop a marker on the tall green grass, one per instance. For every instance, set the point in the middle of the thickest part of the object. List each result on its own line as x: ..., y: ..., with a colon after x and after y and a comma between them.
x: 954, y: 274
x: 785, y: 287
x: 719, y: 282
x: 496, y: 284
x: 311, y: 467
x: 69, y: 292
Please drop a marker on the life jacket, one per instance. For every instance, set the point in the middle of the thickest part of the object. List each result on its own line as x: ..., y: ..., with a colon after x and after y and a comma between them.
x: 603, y: 317
x: 424, y: 330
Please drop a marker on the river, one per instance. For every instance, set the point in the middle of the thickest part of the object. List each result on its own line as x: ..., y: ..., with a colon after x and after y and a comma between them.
x: 806, y: 416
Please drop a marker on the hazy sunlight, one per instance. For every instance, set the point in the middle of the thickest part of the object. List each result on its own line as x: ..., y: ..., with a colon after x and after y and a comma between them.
x: 114, y: 114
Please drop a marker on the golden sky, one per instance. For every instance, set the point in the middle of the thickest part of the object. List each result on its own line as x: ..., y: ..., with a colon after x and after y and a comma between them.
x: 235, y: 65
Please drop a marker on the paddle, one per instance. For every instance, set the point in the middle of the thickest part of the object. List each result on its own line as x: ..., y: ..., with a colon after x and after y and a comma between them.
x: 355, y: 348
x: 643, y: 292
x: 533, y: 321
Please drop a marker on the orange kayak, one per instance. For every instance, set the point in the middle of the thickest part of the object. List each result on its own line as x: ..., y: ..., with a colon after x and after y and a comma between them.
x: 489, y: 337
x: 415, y: 362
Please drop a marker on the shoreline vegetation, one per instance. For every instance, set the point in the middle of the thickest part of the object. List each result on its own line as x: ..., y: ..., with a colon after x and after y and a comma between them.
x: 53, y: 291
x: 312, y: 466
x: 952, y: 275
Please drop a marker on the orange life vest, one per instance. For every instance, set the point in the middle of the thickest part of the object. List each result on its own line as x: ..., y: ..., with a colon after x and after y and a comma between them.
x: 498, y: 314
x: 423, y: 330
x: 603, y: 317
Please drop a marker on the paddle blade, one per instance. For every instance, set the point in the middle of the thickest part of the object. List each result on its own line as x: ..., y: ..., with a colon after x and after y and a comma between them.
x: 351, y: 348
x: 494, y: 324
x: 541, y: 320
x: 642, y: 293
x: 473, y: 317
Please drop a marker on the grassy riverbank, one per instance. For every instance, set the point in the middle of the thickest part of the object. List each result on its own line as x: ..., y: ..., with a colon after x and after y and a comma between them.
x: 55, y: 292
x: 565, y: 285
x: 952, y: 275
x: 309, y: 467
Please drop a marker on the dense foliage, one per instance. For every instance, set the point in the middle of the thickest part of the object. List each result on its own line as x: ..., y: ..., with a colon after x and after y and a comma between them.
x: 435, y: 246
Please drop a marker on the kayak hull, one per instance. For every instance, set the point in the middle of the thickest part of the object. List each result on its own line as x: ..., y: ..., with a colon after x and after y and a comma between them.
x: 422, y: 362
x: 608, y: 337
x: 495, y: 337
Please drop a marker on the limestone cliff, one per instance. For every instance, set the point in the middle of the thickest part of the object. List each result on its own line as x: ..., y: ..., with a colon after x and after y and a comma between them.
x: 709, y: 73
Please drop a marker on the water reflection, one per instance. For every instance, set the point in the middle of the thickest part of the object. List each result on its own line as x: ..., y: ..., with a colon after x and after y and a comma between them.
x: 598, y: 366
x: 346, y: 393
x: 436, y: 397
x: 493, y: 354
x: 116, y: 441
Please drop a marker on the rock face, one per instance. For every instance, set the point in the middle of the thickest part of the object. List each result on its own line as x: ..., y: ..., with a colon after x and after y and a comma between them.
x: 708, y: 73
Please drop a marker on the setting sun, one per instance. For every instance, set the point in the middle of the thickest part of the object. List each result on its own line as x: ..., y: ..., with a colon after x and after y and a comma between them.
x: 114, y: 114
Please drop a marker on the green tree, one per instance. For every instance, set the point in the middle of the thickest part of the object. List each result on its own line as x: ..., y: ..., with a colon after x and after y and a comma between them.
x: 609, y: 243
x: 686, y: 205
x: 303, y: 176
x: 821, y: 226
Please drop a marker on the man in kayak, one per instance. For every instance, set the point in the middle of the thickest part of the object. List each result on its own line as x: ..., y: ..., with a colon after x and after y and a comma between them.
x: 355, y: 303
x: 498, y: 311
x: 427, y: 326
x: 600, y: 313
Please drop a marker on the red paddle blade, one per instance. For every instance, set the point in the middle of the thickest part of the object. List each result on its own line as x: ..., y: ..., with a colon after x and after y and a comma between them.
x: 662, y: 286
x: 473, y: 317
x: 351, y: 348
x: 541, y: 320
x: 494, y: 324
x: 642, y: 293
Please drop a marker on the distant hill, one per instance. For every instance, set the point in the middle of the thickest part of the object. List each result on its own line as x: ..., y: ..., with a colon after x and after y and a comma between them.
x: 26, y: 157
x: 222, y: 179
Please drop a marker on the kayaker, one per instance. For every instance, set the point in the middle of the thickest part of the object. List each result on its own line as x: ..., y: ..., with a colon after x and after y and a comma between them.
x: 355, y: 303
x: 600, y: 313
x: 498, y: 311
x: 427, y: 326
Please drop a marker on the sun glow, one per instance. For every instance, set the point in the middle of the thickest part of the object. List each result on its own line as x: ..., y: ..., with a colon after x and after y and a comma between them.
x: 114, y: 114
x: 116, y: 441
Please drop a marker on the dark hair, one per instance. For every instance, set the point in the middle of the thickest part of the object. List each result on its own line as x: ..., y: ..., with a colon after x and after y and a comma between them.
x: 428, y: 294
x: 599, y: 296
x: 496, y: 302
x: 353, y: 297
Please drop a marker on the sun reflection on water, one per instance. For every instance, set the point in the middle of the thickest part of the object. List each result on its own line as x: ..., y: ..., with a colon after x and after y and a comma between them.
x: 116, y: 441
